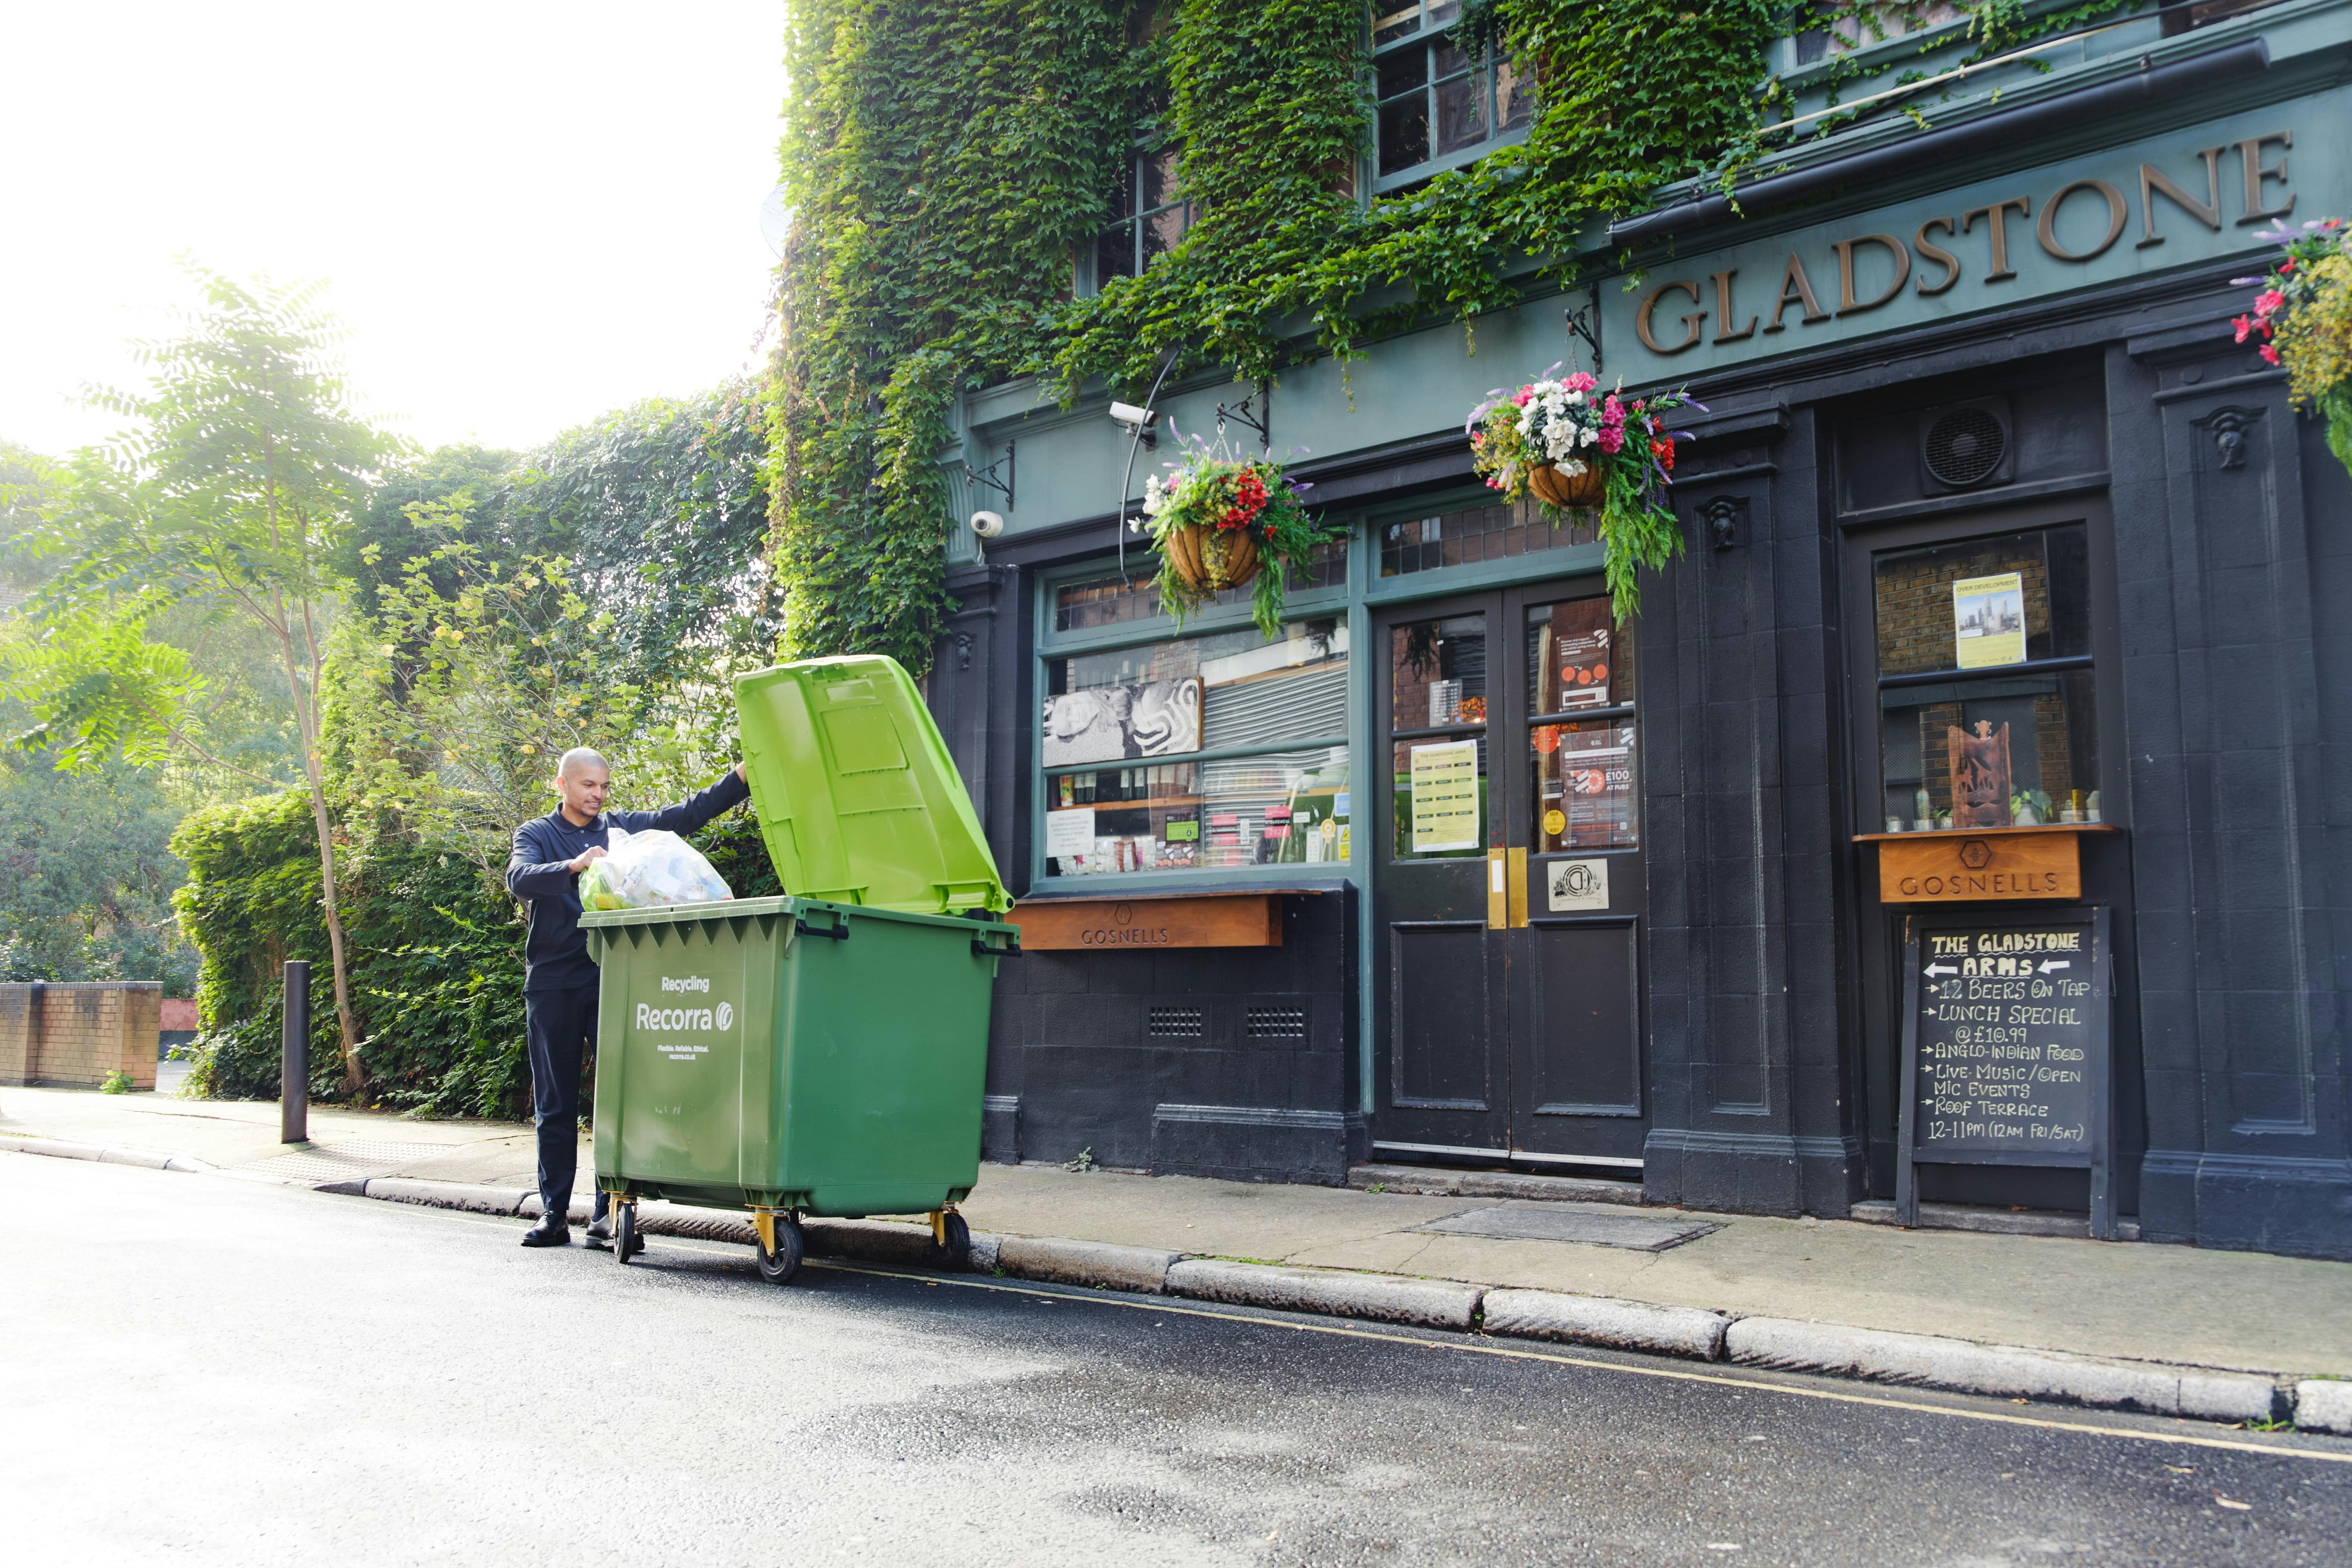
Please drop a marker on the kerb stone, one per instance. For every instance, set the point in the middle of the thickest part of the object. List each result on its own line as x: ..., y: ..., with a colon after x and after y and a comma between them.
x: 1140, y: 1268
x: 1603, y: 1321
x: 1929, y: 1362
x: 2324, y: 1404
x: 1381, y: 1297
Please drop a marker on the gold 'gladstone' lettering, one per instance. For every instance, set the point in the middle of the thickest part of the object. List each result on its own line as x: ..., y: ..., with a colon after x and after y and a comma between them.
x: 2046, y: 231
x: 1795, y: 288
x: 1694, y: 321
x: 1847, y: 303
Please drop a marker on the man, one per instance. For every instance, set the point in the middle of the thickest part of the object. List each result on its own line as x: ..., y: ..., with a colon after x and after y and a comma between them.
x: 559, y: 987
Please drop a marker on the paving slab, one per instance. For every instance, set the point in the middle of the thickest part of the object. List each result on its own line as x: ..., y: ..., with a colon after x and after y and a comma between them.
x: 1561, y: 1222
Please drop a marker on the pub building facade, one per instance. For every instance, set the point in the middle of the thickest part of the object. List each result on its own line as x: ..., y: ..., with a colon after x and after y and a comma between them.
x: 1980, y: 460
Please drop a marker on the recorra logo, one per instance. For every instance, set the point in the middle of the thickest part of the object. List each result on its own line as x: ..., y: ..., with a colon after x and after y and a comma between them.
x: 686, y: 982
x: 652, y: 1018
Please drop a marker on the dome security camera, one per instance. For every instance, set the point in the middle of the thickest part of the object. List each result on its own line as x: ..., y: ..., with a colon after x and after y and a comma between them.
x: 987, y: 524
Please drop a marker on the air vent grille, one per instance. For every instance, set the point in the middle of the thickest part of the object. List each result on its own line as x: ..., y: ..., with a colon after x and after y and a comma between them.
x: 1965, y: 447
x: 1277, y: 1023
x: 1165, y: 1023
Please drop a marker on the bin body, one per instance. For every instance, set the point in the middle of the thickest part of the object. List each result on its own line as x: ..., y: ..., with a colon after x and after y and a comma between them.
x: 743, y: 1059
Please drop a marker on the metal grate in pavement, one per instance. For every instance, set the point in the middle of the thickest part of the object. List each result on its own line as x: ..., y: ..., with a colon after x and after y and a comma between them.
x: 1552, y: 1222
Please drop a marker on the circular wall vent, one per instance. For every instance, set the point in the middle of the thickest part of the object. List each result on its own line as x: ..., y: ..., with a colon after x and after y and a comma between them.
x: 1964, y: 445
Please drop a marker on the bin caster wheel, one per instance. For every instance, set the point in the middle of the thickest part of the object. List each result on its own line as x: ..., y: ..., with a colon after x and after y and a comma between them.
x: 956, y: 1254
x: 627, y: 1242
x: 777, y: 1267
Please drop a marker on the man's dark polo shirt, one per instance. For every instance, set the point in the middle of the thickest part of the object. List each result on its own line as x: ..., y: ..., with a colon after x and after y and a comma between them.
x: 555, y: 956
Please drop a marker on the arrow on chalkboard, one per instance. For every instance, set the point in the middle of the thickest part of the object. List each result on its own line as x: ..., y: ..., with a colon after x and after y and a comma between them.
x: 1940, y: 969
x: 2049, y: 963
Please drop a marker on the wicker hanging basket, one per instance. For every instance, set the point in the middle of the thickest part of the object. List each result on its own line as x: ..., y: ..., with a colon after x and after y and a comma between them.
x: 1585, y: 490
x: 1211, y: 560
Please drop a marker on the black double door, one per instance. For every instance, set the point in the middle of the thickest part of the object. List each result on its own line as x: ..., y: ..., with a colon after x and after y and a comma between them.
x: 1509, y: 887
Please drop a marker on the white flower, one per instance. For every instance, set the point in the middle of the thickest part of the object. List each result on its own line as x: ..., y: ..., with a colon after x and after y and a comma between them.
x: 1155, y: 495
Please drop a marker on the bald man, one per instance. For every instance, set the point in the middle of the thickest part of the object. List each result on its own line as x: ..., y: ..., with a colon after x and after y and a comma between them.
x: 559, y: 987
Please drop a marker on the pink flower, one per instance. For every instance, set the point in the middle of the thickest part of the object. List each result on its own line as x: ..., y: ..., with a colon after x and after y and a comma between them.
x: 2243, y: 323
x: 2286, y: 267
x: 1579, y: 381
x: 2268, y: 354
x: 2268, y: 302
x: 1611, y: 438
x: 1522, y: 396
x: 1612, y: 413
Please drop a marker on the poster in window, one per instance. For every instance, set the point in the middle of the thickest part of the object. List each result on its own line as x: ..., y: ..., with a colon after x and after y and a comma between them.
x: 1988, y: 620
x: 1444, y: 779
x: 1596, y: 770
x: 1111, y: 723
x: 1581, y: 655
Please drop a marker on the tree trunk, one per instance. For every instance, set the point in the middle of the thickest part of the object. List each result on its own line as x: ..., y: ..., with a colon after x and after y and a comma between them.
x: 306, y: 722
x: 354, y: 1076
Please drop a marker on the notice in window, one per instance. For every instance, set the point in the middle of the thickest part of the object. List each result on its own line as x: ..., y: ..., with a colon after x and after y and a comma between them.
x: 1070, y: 833
x: 1988, y: 620
x: 1596, y: 768
x: 1444, y: 779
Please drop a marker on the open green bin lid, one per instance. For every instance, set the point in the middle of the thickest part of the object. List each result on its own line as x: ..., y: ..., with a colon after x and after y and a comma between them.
x: 858, y: 799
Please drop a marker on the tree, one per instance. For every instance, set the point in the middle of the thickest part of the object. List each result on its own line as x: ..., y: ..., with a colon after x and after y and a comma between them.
x: 226, y: 498
x: 86, y: 878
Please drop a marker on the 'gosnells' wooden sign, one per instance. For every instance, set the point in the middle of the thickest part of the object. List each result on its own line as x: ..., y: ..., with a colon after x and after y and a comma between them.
x: 1133, y: 925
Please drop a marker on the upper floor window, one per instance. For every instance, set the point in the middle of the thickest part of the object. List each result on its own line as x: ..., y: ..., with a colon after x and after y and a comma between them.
x: 1438, y: 106
x: 1152, y: 216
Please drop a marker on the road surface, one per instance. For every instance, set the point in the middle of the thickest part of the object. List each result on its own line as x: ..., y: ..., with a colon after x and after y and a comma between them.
x: 204, y: 1370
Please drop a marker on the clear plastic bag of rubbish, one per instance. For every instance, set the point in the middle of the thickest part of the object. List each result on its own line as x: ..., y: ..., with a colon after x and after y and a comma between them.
x: 643, y: 871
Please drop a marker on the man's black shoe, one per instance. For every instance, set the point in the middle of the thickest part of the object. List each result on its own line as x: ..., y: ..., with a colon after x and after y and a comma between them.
x: 599, y: 1231
x: 551, y: 1231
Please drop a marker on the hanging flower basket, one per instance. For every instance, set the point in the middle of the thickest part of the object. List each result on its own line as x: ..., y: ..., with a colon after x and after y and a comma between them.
x: 1581, y: 491
x: 2304, y: 315
x: 1579, y: 451
x: 1211, y: 560
x: 1221, y: 520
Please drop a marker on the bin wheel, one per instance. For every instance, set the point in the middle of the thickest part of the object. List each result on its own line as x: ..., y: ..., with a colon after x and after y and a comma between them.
x: 956, y: 1254
x: 778, y: 1268
x: 627, y: 1242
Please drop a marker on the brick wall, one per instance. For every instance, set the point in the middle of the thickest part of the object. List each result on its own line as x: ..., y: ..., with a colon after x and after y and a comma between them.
x: 78, y: 1034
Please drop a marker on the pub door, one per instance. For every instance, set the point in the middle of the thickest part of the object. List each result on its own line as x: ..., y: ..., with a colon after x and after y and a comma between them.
x: 1509, y: 885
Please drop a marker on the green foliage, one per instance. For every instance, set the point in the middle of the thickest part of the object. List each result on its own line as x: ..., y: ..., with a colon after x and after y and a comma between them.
x: 942, y: 162
x: 599, y: 591
x: 251, y: 902
x: 227, y: 494
x: 87, y: 876
x: 932, y: 237
x: 27, y: 481
x: 116, y: 1083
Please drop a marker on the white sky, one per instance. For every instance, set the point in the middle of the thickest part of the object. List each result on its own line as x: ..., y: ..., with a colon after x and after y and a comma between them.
x: 527, y: 213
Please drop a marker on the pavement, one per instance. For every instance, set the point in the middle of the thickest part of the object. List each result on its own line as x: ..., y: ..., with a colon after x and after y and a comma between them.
x: 206, y: 1371
x: 1928, y: 1296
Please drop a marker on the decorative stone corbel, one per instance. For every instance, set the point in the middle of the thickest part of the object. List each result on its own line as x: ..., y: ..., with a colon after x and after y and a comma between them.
x: 1723, y: 515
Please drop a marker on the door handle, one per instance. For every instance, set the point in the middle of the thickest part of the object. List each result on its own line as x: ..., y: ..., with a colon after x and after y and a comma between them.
x: 1514, y: 881
x: 1498, y: 903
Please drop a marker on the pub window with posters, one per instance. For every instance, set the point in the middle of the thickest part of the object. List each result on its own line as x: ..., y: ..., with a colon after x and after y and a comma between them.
x: 1988, y: 714
x: 1208, y: 753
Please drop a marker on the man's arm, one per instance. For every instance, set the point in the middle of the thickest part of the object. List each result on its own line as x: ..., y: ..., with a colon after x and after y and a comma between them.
x: 529, y: 873
x: 688, y: 816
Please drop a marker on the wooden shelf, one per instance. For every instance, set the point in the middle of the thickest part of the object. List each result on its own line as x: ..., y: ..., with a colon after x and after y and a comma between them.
x: 1985, y: 832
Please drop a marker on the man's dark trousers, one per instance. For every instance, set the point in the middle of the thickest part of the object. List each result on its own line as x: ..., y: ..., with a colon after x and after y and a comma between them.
x: 563, y: 1025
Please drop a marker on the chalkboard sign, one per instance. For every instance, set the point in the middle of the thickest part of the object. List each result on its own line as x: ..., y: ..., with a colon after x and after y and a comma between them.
x: 2006, y: 1046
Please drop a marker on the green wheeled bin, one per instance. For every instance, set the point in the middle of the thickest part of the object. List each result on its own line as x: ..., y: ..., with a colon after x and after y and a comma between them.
x: 824, y: 1052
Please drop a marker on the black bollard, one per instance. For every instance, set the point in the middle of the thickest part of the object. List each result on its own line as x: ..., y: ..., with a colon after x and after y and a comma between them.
x: 294, y: 1070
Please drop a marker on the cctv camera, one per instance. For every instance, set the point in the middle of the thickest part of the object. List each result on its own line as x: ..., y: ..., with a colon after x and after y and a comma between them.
x: 1129, y: 414
x: 987, y: 524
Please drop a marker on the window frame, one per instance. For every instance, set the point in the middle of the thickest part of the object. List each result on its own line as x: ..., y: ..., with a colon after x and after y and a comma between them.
x: 1338, y: 602
x: 1090, y: 279
x: 1486, y: 68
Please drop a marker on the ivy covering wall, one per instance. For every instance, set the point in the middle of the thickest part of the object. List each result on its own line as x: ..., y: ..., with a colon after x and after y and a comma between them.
x: 945, y: 160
